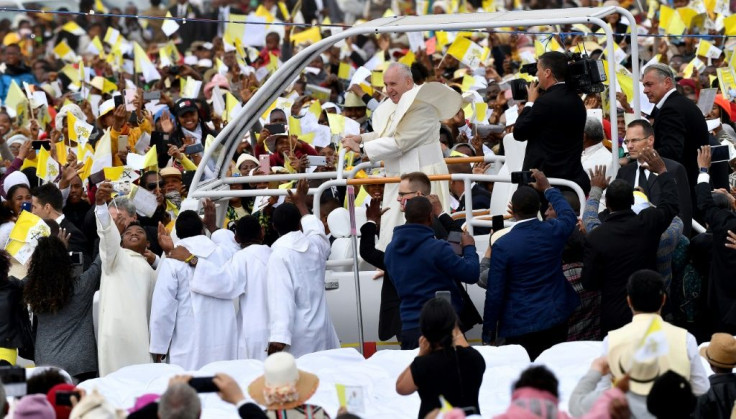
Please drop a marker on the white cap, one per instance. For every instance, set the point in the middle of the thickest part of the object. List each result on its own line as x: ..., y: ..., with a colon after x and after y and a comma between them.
x: 17, y: 139
x: 15, y: 178
x: 328, y: 105
x: 106, y: 106
x: 204, y: 62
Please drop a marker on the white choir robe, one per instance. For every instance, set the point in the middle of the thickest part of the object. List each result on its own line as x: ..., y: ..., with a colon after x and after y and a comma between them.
x: 126, y: 288
x: 193, y: 327
x: 246, y: 272
x: 297, y: 306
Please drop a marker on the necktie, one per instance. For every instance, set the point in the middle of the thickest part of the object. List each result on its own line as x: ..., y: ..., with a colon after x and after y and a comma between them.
x: 643, y: 181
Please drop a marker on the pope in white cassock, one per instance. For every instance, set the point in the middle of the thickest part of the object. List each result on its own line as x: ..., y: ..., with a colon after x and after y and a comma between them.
x: 191, y: 323
x: 406, y: 137
x: 245, y: 278
x: 298, y: 319
x: 126, y: 288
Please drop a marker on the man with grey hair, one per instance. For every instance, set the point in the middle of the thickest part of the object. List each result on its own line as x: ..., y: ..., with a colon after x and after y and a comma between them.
x: 126, y: 286
x: 679, y: 125
x: 406, y: 137
x: 594, y: 152
x: 179, y: 401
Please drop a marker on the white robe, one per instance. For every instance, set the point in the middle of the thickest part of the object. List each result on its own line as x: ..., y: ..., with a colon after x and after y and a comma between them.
x: 297, y: 306
x: 126, y: 288
x: 246, y: 276
x: 406, y: 138
x: 188, y: 322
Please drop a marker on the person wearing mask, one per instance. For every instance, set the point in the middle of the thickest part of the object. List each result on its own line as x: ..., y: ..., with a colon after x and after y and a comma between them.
x: 299, y: 321
x: 421, y: 265
x: 192, y: 324
x: 528, y: 295
x: 126, y: 285
x: 446, y: 365
x: 553, y: 123
x: 60, y: 297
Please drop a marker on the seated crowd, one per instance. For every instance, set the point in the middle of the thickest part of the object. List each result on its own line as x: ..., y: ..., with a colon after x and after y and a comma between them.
x: 108, y: 120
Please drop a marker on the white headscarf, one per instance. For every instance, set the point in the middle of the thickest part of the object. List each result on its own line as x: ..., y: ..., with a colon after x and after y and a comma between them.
x: 74, y: 109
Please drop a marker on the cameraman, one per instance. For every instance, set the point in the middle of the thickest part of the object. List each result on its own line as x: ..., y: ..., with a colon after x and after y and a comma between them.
x: 553, y: 123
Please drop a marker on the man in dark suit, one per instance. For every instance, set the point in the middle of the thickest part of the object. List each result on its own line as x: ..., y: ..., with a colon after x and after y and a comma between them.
x: 639, y: 137
x: 528, y: 299
x: 191, y: 31
x: 553, y: 123
x: 48, y: 203
x: 721, y: 286
x: 679, y: 125
x: 625, y: 242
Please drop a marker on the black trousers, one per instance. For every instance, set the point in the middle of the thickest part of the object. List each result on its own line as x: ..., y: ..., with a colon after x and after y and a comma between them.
x: 537, y: 342
x: 410, y: 338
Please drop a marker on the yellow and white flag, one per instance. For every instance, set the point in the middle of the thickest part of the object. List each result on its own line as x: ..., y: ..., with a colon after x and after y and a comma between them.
x: 47, y: 168
x: 73, y: 28
x: 79, y: 130
x: 232, y: 107
x: 143, y: 64
x: 103, y: 153
x: 15, y: 98
x: 24, y: 236
x: 64, y: 51
x: 169, y: 26
x: 468, y: 52
x: 654, y: 342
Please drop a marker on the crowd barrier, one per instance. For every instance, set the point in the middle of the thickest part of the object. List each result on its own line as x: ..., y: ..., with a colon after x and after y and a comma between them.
x: 376, y: 376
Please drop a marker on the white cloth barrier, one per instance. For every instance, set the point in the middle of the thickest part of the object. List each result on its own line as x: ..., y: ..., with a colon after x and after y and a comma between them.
x: 569, y: 361
x: 376, y: 375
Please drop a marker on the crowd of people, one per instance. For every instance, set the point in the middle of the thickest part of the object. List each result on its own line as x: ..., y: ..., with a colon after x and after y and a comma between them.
x: 107, y: 114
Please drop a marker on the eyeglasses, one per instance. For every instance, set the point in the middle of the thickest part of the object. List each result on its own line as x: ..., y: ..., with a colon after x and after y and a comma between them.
x: 152, y: 186
x: 404, y: 194
x: 634, y: 140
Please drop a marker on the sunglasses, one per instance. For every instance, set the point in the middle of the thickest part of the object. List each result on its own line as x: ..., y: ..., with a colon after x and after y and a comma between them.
x: 152, y: 186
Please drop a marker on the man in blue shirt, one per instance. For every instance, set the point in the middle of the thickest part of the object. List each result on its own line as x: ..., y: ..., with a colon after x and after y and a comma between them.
x: 420, y: 265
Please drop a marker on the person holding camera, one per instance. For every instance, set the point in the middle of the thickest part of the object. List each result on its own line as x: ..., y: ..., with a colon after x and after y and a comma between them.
x: 553, y: 123
x: 528, y: 299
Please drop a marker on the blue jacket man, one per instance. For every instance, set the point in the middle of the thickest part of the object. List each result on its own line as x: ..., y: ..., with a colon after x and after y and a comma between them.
x: 420, y: 265
x: 528, y: 295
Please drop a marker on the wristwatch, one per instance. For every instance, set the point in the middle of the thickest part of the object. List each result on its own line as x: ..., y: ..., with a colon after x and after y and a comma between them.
x: 703, y: 170
x: 193, y: 262
x: 361, y: 146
